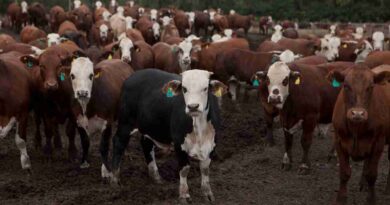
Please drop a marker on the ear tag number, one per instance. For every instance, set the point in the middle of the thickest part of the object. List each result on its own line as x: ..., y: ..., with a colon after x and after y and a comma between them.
x: 256, y: 83
x: 62, y: 76
x: 298, y: 81
x: 169, y: 93
x: 335, y: 83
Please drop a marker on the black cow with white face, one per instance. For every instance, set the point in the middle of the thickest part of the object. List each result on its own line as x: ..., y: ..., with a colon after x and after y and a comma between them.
x: 170, y: 109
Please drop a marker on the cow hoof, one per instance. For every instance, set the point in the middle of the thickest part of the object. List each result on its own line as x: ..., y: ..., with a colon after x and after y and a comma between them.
x: 303, y: 170
x: 186, y: 200
x: 84, y: 165
x: 286, y: 167
x: 210, y: 198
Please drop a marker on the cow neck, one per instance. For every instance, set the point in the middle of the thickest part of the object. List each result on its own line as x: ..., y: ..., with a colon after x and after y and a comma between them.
x: 200, y: 122
x: 83, y: 103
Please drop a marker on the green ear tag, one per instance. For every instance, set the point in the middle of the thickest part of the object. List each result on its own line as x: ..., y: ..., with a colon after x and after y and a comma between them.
x: 29, y: 64
x: 256, y: 83
x: 62, y: 76
x: 335, y: 83
x: 169, y: 93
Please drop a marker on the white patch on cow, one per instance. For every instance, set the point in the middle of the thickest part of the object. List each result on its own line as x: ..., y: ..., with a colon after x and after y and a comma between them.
x: 270, y: 19
x: 153, y: 14
x: 153, y: 169
x: 232, y: 12
x: 277, y: 35
x: 183, y: 188
x: 120, y: 11
x: 378, y: 40
x: 125, y: 45
x: 129, y: 22
x: 329, y: 48
x: 141, y: 11
x: 295, y: 128
x: 192, y: 37
x: 333, y: 30
x: 288, y: 56
x: 106, y: 15
x: 362, y: 55
x: 82, y: 75
x: 113, y: 3
x: 359, y: 33
x: 24, y: 6
x: 103, y: 31
x: 191, y: 17
x: 212, y: 15
x: 205, y: 181
x: 98, y: 4
x: 286, y: 159
x: 188, y: 31
x: 296, y: 26
x: 5, y: 130
x: 216, y: 37
x: 184, y: 55
x: 53, y: 39
x: 105, y: 173
x: 228, y: 33
x: 21, y: 144
x: 37, y: 51
x: 156, y: 30
x: 131, y: 3
x: 166, y: 20
x: 77, y: 4
x: 276, y: 74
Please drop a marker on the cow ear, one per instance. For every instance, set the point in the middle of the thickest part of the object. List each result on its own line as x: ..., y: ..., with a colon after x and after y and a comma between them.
x: 387, y: 40
x: 115, y: 48
x: 336, y: 78
x: 137, y: 48
x: 107, y: 55
x: 295, y: 76
x: 217, y: 88
x: 172, y: 88
x: 29, y: 61
x: 382, y: 77
x: 78, y: 54
x: 175, y: 48
x: 97, y: 72
x: 258, y: 77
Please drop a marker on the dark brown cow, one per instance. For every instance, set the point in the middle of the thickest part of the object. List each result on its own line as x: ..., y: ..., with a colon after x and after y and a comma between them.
x: 298, y: 46
x: 22, y: 48
x: 57, y: 17
x: 82, y: 18
x: 6, y: 39
x: 265, y: 23
x: 303, y: 97
x: 290, y: 33
x: 67, y: 26
x: 69, y: 31
x: 31, y: 33
x: 220, y: 23
x: 348, y: 50
x: 287, y: 24
x: 102, y: 33
x: 95, y: 54
x: 16, y: 97
x: 131, y: 11
x: 378, y: 58
x: 202, y: 21
x: 182, y: 23
x: 37, y: 14
x: 169, y: 31
x: 40, y: 43
x: 18, y: 14
x: 312, y: 60
x: 145, y: 26
x: 361, y: 119
x: 135, y: 35
x: 237, y: 21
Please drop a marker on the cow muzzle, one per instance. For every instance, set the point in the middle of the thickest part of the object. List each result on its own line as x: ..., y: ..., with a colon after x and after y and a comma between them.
x: 82, y: 94
x: 275, y: 99
x: 193, y: 109
x: 357, y: 115
x: 51, y: 85
x: 126, y: 59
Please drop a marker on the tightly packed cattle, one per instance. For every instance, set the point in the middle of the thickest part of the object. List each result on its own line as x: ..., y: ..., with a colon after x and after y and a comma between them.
x: 162, y: 74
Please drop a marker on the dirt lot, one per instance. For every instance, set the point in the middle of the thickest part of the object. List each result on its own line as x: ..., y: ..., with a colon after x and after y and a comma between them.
x: 245, y: 172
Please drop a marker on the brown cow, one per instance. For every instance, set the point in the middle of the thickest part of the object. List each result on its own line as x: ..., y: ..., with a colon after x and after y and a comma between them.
x: 6, y: 39
x: 131, y: 11
x: 150, y: 30
x: 298, y: 46
x: 287, y: 24
x: 37, y: 14
x: 31, y: 33
x: 182, y: 23
x: 378, y: 58
x: 102, y: 33
x: 169, y: 31
x: 290, y: 33
x: 202, y: 21
x: 237, y: 21
x: 22, y: 48
x: 135, y: 35
x: 82, y: 18
x: 67, y: 26
x: 95, y: 54
x: 220, y: 23
x: 303, y: 97
x: 361, y: 119
x: 18, y: 14
x: 209, y: 52
x: 265, y: 23
x: 57, y: 17
x: 101, y: 14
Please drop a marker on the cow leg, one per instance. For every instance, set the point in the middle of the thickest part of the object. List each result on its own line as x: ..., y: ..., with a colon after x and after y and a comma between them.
x: 269, y: 119
x: 345, y: 174
x: 71, y: 133
x: 57, y: 138
x: 308, y: 127
x: 49, y: 124
x: 148, y: 149
x: 205, y: 183
x: 287, y: 158
x: 104, y: 149
x: 20, y: 140
x: 38, y: 136
x: 184, y: 167
x: 233, y: 85
x: 84, y: 138
x: 363, y: 182
x: 388, y: 175
x: 371, y: 176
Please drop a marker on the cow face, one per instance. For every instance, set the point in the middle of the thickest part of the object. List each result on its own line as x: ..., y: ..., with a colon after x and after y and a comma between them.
x: 278, y: 80
x: 156, y: 30
x: 378, y: 40
x: 329, y: 48
x: 98, y: 4
x: 103, y: 32
x: 24, y: 6
x: 53, y: 39
x: 184, y: 50
x: 153, y: 15
x: 126, y: 48
x: 106, y: 15
x: 82, y: 75
x: 195, y: 87
x: 131, y: 3
x: 212, y: 15
x: 113, y: 3
x: 358, y: 84
x: 129, y: 22
x: 120, y: 10
x: 166, y: 20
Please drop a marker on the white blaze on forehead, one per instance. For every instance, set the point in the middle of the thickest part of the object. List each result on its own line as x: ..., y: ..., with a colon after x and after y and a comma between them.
x: 377, y: 38
x: 232, y: 12
x: 166, y: 20
x: 359, y: 30
x: 196, y: 81
x: 103, y: 30
x: 287, y: 56
x: 277, y: 35
x: 277, y: 73
x: 153, y: 14
x: 270, y: 19
x: 191, y: 16
x: 141, y: 10
x: 24, y: 6
x: 330, y: 48
x: 113, y: 2
x: 212, y: 15
x: 82, y: 69
x: 53, y: 39
x: 131, y: 3
x: 278, y: 28
x: 76, y: 3
x: 129, y: 22
x: 156, y: 29
x: 98, y: 4
x: 106, y: 15
x: 126, y: 45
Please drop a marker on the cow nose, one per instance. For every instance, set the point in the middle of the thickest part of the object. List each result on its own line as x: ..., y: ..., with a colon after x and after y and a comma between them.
x: 193, y: 107
x: 358, y: 115
x: 51, y: 85
x: 275, y: 92
x: 274, y: 99
x: 126, y: 59
x: 82, y: 94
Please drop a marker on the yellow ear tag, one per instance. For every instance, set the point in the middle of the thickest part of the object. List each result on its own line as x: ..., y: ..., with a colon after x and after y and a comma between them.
x: 97, y: 75
x: 345, y: 45
x: 298, y: 81
x: 109, y: 57
x: 218, y: 93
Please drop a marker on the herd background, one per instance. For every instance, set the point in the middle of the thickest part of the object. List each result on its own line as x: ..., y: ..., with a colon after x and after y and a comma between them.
x: 302, y: 10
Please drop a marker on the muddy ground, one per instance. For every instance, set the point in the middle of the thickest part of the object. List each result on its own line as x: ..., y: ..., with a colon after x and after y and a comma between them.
x: 246, y: 171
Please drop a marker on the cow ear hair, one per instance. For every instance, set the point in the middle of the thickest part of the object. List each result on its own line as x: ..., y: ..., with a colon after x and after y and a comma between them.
x: 172, y: 88
x: 218, y: 88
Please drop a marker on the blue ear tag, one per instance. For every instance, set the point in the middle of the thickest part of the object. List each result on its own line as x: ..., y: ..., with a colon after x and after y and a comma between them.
x: 169, y: 93
x: 256, y: 83
x: 335, y: 83
x: 62, y: 76
x: 29, y: 64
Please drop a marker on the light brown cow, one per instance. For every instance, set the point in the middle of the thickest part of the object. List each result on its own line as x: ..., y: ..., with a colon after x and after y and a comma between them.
x: 31, y: 33
x: 57, y: 17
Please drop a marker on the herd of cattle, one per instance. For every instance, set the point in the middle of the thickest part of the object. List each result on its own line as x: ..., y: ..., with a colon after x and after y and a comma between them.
x: 93, y: 69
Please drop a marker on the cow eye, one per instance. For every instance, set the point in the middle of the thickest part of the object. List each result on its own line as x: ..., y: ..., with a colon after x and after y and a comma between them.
x: 72, y: 76
x: 205, y: 90
x: 91, y: 76
x: 184, y: 89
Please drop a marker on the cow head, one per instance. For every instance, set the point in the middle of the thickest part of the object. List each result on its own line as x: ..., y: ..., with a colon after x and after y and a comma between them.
x: 106, y: 15
x: 278, y: 80
x: 184, y: 51
x: 126, y: 48
x: 166, y: 20
x: 191, y: 19
x: 53, y: 39
x: 228, y: 33
x: 329, y: 48
x: 378, y: 40
x: 358, y: 84
x: 120, y: 10
x: 153, y: 15
x: 24, y: 6
x: 105, y: 33
x: 129, y: 22
x: 77, y: 4
x: 141, y: 11
x: 195, y: 87
x: 332, y: 29
x: 212, y: 15
x: 98, y: 4
x: 156, y: 30
x: 288, y: 56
